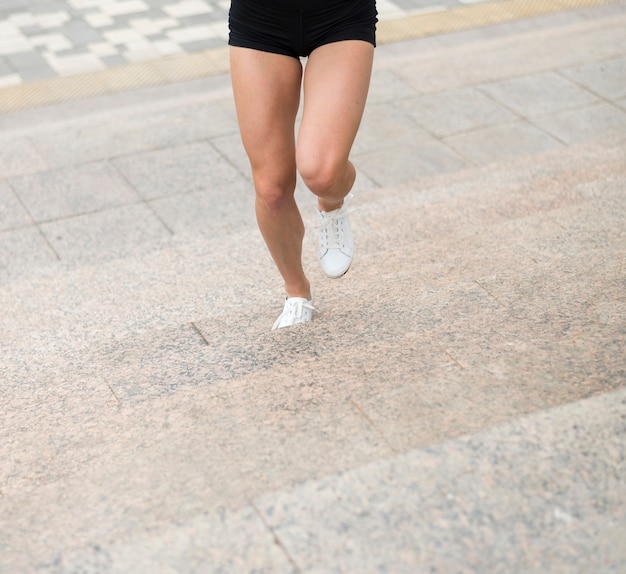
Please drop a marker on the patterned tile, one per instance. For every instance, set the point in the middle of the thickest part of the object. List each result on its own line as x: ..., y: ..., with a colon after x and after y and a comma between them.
x: 70, y: 37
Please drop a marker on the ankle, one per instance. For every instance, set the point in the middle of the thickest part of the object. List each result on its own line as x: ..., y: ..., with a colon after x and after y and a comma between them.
x: 300, y: 294
x: 327, y: 206
x: 302, y: 290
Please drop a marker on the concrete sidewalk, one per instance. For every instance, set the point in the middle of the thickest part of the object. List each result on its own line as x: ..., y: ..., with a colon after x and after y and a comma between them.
x: 457, y: 406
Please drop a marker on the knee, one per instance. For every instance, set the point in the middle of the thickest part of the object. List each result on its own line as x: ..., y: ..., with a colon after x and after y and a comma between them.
x: 322, y: 177
x: 274, y: 195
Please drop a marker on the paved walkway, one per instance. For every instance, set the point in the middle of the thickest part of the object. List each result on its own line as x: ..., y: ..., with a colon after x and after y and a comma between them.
x: 49, y: 38
x: 138, y: 52
x: 458, y: 405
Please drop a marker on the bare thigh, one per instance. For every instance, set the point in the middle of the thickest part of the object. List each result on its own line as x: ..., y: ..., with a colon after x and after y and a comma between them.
x: 267, y: 95
x: 336, y: 82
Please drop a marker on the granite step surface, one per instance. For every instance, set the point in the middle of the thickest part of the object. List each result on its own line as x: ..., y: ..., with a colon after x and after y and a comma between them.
x: 457, y: 405
x: 451, y: 103
x: 517, y: 497
x: 501, y: 297
x: 521, y: 496
x: 72, y: 316
x: 433, y: 220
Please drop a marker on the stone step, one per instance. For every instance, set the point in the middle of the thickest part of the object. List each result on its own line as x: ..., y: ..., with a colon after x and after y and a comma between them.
x: 521, y: 497
x: 444, y: 395
x: 148, y: 325
x: 439, y: 232
x: 403, y: 488
x: 220, y: 411
x: 469, y: 500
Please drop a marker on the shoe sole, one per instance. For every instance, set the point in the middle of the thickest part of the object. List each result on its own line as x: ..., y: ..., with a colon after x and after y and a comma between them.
x: 337, y: 276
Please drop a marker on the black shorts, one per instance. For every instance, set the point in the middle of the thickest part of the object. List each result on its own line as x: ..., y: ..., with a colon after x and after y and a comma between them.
x: 297, y: 27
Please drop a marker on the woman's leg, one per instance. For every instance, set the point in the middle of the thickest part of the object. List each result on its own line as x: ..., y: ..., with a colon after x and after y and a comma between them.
x: 267, y: 95
x: 336, y: 82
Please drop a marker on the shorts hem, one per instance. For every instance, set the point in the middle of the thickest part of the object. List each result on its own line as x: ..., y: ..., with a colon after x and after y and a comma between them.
x: 279, y: 51
x: 347, y: 38
x: 263, y: 48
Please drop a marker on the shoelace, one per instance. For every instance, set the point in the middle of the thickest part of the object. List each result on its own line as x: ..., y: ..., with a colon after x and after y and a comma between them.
x: 331, y: 235
x: 293, y: 310
x: 331, y: 227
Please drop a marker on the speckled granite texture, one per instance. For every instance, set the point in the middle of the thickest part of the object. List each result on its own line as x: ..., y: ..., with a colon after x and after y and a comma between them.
x: 543, y: 494
x: 459, y: 403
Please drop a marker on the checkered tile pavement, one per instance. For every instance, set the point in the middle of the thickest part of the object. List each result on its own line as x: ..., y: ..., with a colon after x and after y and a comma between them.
x: 47, y: 38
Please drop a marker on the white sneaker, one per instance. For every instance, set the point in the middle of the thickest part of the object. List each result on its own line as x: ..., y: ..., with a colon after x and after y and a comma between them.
x: 296, y: 310
x: 336, y: 246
